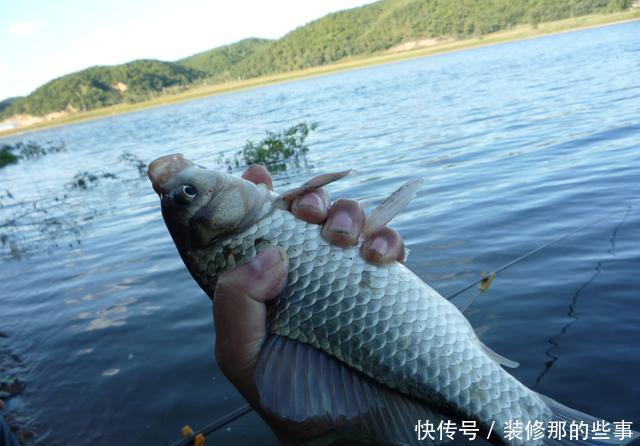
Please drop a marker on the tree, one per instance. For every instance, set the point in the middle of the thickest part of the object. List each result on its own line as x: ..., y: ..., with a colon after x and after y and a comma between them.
x: 618, y: 5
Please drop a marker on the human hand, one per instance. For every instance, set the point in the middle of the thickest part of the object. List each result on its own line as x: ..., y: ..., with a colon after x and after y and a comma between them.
x: 240, y: 312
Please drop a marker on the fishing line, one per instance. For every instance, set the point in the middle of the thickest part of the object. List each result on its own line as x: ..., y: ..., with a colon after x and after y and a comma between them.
x: 484, y: 283
x: 490, y: 276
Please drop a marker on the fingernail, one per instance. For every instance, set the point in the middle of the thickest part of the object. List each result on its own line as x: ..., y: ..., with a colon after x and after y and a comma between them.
x: 343, y: 223
x: 380, y: 246
x: 310, y: 200
x: 266, y: 260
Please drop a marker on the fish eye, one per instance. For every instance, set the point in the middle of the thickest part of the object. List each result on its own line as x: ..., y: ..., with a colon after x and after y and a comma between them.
x: 185, y: 194
x: 189, y: 191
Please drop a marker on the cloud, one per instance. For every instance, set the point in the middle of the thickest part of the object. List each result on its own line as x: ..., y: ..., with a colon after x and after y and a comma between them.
x: 25, y: 29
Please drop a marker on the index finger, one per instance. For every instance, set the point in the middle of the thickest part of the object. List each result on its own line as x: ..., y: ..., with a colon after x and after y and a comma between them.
x: 258, y: 174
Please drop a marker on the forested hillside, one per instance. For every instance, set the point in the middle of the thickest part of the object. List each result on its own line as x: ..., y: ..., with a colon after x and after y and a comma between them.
x: 219, y: 62
x: 356, y: 32
x: 386, y: 23
x: 101, y: 86
x: 5, y: 103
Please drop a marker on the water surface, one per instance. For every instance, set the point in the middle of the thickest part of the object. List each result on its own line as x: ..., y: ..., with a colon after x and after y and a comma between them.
x: 518, y: 144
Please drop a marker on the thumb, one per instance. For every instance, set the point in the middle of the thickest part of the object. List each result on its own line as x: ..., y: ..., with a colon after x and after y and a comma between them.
x: 240, y: 313
x: 261, y: 279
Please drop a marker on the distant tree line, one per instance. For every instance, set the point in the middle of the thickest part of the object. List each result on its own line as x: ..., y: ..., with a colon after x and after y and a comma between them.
x: 355, y: 32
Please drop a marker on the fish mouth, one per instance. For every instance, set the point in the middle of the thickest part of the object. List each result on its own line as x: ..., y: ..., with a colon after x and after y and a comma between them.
x: 164, y: 168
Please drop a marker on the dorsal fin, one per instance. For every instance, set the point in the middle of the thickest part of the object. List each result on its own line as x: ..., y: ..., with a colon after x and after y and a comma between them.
x: 314, y: 183
x: 390, y: 207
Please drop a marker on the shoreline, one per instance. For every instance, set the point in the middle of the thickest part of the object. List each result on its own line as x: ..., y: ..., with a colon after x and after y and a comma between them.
x: 518, y: 33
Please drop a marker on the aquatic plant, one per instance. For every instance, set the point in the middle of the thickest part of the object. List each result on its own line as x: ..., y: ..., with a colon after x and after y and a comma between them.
x: 6, y: 156
x: 32, y: 149
x: 134, y: 160
x: 278, y: 147
x: 55, y: 217
x: 45, y: 222
x: 276, y: 151
x: 85, y: 180
x: 12, y: 153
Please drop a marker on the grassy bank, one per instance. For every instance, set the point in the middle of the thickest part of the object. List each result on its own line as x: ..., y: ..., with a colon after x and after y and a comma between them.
x: 516, y: 33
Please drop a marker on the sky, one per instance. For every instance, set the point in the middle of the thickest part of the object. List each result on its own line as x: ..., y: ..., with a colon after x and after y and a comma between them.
x: 44, y: 39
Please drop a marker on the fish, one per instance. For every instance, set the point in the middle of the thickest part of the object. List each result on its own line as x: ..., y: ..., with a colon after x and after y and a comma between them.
x: 369, y: 349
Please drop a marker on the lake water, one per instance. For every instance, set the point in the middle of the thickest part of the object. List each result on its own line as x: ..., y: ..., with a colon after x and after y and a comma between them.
x: 518, y: 144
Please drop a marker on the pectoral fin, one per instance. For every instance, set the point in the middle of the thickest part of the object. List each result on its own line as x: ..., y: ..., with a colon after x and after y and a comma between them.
x: 299, y: 383
x: 390, y: 207
x: 499, y: 358
x: 285, y: 200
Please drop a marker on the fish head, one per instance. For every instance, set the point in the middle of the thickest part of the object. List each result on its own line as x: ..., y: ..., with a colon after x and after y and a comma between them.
x: 199, y: 205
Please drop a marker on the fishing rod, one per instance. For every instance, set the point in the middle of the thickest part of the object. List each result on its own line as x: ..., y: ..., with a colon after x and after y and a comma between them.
x: 197, y: 438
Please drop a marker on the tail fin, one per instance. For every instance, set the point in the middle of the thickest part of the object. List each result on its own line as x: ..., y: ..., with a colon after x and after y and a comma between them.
x: 617, y: 434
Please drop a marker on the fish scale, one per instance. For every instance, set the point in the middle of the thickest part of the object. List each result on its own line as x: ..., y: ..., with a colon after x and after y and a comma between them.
x: 381, y: 320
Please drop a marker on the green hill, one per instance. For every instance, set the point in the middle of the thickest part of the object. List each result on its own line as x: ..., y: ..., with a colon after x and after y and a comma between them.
x: 104, y: 85
x: 219, y: 62
x: 355, y: 32
x: 6, y: 103
x: 381, y: 25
